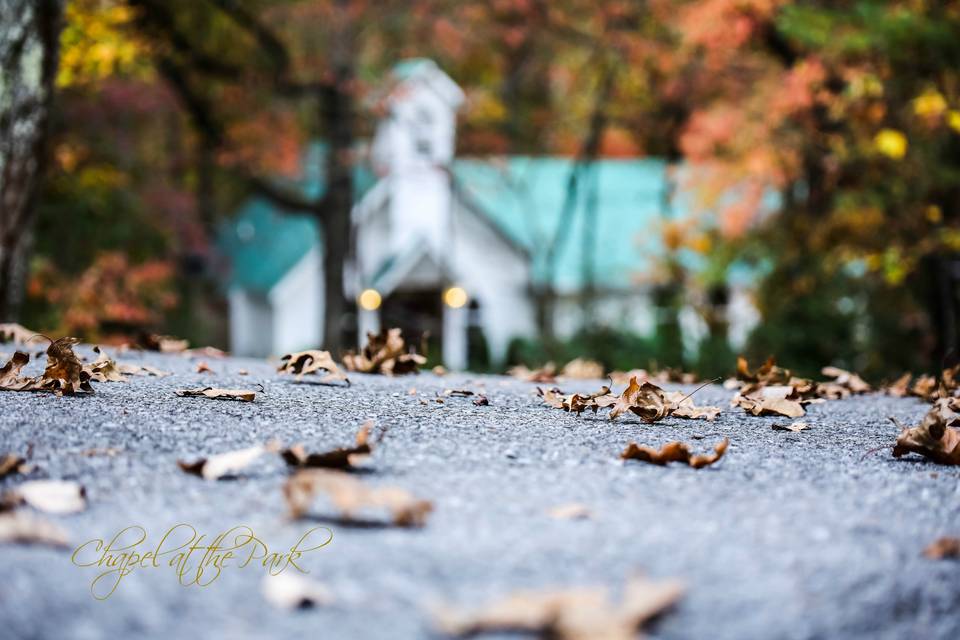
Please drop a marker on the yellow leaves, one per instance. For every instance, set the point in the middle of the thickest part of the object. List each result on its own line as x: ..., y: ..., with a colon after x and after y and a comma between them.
x: 97, y: 42
x: 953, y: 120
x: 891, y: 143
x: 929, y: 104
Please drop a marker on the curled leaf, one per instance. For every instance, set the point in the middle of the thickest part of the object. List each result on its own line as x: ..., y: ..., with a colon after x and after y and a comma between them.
x: 303, y: 363
x: 935, y: 438
x: 341, y: 458
x: 242, y: 395
x: 51, y: 496
x: 22, y: 527
x: 226, y: 464
x: 349, y: 496
x: 945, y: 547
x: 567, y: 614
x: 674, y: 452
x: 385, y: 353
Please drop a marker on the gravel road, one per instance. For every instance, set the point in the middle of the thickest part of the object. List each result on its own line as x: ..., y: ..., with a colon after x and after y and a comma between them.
x: 791, y: 535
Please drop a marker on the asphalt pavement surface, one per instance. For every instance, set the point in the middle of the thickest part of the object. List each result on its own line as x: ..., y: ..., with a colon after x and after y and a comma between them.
x: 815, y: 534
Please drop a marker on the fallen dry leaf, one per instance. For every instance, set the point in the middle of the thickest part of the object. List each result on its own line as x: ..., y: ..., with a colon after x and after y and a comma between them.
x: 769, y: 406
x: 303, y: 363
x: 164, y: 344
x: 844, y: 384
x: 13, y: 332
x: 288, y: 590
x: 945, y: 547
x: 11, y: 463
x: 23, y: 527
x: 582, y: 368
x: 349, y: 496
x: 546, y: 373
x: 341, y: 458
x: 935, y: 438
x: 140, y: 370
x: 674, y: 452
x: 385, y: 353
x: 104, y: 368
x: 645, y: 400
x: 51, y: 496
x: 10, y: 379
x: 623, y: 377
x: 680, y: 405
x: 572, y: 511
x: 568, y: 614
x: 227, y: 464
x: 203, y: 367
x: 243, y: 395
x: 481, y: 401
x: 795, y: 427
x: 439, y: 370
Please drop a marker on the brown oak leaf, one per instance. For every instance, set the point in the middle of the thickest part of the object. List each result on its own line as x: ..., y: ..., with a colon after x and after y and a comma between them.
x: 674, y: 452
x: 350, y: 496
x: 566, y: 614
x: 385, y: 353
x: 935, y: 438
x: 301, y: 363
x: 341, y: 458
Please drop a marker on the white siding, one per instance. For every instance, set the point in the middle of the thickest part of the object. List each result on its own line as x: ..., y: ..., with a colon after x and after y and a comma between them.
x: 297, y: 304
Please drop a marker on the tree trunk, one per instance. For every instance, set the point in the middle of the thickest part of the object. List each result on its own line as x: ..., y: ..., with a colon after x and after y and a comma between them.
x: 29, y: 37
x: 334, y: 219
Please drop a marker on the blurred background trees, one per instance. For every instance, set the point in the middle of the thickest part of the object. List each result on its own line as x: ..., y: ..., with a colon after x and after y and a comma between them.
x: 820, y: 141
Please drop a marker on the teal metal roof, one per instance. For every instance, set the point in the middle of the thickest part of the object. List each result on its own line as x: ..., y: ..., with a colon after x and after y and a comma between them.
x: 525, y: 197
x: 613, y: 228
x: 263, y: 242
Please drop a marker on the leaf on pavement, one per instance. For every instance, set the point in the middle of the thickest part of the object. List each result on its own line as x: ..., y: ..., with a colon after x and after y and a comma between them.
x: 566, y: 614
x: 243, y: 395
x: 936, y: 437
x: 844, y: 384
x: 203, y: 367
x: 140, y: 370
x: 769, y: 406
x: 10, y: 378
x: 582, y: 368
x: 571, y: 511
x: 13, y: 332
x: 680, y: 405
x: 11, y: 463
x: 289, y: 590
x: 64, y: 374
x: 674, y: 452
x: 646, y: 400
x: 545, y: 374
x: 23, y: 527
x: 227, y: 464
x: 301, y: 363
x: 51, y: 496
x: 945, y: 547
x: 794, y: 426
x: 350, y: 496
x: 104, y: 368
x: 341, y: 458
x: 385, y: 353
x: 161, y: 343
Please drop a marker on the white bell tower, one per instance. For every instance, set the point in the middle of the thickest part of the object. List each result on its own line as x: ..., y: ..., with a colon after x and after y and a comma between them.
x: 413, y: 148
